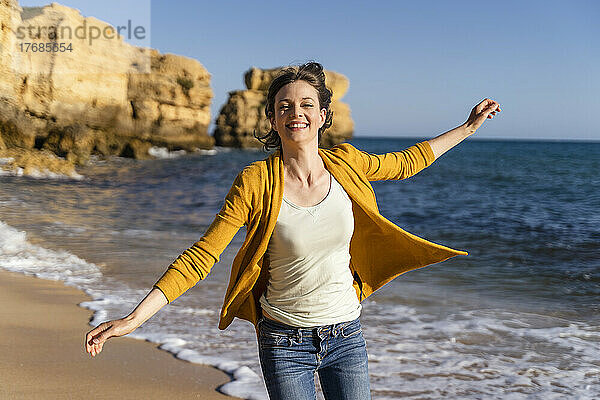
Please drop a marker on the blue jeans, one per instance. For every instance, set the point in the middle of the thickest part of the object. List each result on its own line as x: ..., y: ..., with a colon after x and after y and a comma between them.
x: 290, y: 356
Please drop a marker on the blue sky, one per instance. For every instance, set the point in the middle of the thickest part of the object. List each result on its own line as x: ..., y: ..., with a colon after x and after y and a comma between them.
x: 415, y: 68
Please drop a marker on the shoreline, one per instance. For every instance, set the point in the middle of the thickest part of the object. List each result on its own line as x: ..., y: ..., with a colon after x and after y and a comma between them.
x: 42, y: 332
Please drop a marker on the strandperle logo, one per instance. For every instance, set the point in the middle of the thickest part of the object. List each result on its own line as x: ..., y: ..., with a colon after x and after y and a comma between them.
x: 108, y: 37
x: 82, y: 32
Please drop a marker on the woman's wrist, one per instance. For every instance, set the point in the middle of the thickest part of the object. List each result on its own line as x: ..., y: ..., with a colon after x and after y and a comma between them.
x: 132, y: 320
x: 149, y: 306
x: 467, y: 129
x: 447, y: 140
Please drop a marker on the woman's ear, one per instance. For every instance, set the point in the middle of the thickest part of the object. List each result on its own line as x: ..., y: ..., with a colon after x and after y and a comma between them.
x: 322, y: 117
x: 271, y: 119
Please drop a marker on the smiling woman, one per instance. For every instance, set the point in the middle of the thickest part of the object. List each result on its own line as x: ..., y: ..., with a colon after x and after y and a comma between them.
x: 309, y: 94
x: 316, y: 245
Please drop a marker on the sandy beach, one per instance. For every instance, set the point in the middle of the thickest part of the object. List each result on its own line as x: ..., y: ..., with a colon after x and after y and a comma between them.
x: 42, y: 356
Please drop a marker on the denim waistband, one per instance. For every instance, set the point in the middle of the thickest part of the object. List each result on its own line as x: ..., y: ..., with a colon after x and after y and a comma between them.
x: 310, y: 331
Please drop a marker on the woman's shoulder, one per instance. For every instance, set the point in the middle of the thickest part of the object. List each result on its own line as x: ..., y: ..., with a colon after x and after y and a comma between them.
x: 252, y: 172
x: 251, y: 176
x: 344, y: 147
x: 343, y: 150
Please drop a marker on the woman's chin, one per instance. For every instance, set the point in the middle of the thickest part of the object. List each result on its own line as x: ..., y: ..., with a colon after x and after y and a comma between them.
x: 300, y: 139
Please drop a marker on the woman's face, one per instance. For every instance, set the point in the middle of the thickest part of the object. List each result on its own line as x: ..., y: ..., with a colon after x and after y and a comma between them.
x: 297, y: 114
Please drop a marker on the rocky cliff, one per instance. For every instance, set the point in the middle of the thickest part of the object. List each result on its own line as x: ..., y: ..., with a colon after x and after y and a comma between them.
x: 104, y: 97
x: 244, y: 111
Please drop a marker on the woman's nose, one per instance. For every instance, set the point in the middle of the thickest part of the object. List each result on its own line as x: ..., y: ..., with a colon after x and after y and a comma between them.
x: 297, y: 111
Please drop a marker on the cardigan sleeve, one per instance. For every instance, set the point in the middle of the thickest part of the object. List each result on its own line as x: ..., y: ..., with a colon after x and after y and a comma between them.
x: 394, y: 165
x: 196, y: 262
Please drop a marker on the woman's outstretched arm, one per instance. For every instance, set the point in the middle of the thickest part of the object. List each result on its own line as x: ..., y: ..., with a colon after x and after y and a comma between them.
x: 487, y: 108
x: 95, y: 339
x: 192, y: 265
x: 406, y: 163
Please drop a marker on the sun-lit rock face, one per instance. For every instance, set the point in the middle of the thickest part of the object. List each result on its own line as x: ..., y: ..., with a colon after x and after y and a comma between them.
x: 104, y: 97
x: 244, y: 112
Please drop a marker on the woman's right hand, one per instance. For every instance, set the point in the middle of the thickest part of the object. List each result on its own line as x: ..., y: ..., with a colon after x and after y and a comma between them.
x: 95, y: 339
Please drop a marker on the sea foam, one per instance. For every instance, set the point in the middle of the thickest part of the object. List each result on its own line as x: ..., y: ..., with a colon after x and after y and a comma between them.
x: 38, y: 174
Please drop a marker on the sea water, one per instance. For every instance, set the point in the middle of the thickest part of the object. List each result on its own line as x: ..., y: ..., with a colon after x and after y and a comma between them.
x: 517, y: 318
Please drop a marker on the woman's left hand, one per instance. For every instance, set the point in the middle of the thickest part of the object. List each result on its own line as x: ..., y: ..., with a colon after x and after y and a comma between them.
x: 482, y: 111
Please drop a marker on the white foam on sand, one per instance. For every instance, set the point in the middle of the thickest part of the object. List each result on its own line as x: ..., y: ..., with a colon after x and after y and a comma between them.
x: 112, y: 299
x: 18, y: 255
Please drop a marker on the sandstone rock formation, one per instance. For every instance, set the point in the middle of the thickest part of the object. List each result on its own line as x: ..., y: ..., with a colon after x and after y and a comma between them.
x: 244, y: 111
x: 107, y: 97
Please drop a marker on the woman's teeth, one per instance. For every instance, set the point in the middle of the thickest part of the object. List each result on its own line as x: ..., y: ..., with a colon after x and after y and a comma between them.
x: 295, y: 126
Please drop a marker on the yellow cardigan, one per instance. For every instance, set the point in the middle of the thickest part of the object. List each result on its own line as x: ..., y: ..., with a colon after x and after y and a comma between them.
x: 380, y: 250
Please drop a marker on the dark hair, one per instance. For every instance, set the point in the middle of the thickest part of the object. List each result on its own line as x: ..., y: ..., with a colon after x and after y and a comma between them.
x: 312, y: 73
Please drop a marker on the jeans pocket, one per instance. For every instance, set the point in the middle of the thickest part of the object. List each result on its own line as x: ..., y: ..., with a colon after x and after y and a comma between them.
x: 352, y: 329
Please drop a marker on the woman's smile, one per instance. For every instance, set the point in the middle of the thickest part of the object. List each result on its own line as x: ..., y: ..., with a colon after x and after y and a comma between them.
x: 298, y: 116
x: 297, y: 126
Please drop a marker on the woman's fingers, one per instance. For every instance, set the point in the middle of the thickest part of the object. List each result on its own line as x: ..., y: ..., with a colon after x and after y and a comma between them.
x: 102, y: 336
x: 492, y: 105
x: 89, y: 338
x: 491, y: 109
x: 94, y: 340
x: 96, y: 349
x: 485, y: 103
x: 481, y: 106
x: 486, y: 109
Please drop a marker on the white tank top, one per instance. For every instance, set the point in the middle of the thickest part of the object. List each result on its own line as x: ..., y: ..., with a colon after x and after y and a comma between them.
x: 310, y: 282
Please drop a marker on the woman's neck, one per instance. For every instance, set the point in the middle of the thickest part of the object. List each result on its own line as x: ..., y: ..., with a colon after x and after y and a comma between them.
x: 302, y: 163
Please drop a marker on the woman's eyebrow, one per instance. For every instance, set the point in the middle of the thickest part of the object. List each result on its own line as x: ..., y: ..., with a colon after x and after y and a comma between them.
x: 304, y: 98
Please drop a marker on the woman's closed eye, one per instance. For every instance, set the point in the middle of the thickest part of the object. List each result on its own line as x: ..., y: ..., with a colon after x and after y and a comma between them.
x: 286, y: 106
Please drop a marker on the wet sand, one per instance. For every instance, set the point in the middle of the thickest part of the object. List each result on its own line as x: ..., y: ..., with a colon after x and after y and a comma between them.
x: 42, y: 355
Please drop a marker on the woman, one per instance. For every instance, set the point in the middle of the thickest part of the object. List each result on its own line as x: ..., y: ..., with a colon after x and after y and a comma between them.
x: 313, y: 251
